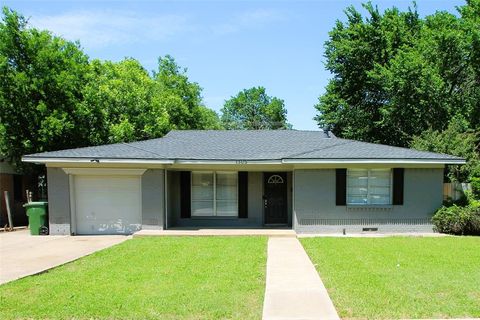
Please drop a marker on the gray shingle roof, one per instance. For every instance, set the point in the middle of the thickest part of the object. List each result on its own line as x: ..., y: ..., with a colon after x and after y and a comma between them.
x: 243, y: 145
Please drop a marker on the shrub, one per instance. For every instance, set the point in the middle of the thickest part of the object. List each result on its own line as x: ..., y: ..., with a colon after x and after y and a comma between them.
x: 461, y: 202
x: 458, y: 220
x: 450, y: 220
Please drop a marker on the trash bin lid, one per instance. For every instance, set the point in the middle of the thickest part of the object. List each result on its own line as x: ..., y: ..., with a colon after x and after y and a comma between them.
x: 36, y: 204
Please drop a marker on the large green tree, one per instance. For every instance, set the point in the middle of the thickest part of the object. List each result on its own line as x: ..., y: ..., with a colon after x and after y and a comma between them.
x: 122, y: 103
x: 254, y: 109
x: 41, y: 81
x: 396, y: 75
x: 182, y: 98
x: 458, y: 140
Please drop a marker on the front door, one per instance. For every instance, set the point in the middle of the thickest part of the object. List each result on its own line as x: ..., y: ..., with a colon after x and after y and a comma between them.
x: 275, y: 197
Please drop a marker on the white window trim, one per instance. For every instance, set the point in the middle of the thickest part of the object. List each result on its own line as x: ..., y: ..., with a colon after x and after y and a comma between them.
x: 214, y: 213
x: 390, y: 196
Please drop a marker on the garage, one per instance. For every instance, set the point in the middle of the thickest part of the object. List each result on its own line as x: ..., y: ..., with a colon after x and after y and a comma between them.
x: 107, y: 204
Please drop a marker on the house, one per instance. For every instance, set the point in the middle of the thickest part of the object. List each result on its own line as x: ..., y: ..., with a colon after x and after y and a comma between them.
x: 310, y: 181
x: 15, y: 184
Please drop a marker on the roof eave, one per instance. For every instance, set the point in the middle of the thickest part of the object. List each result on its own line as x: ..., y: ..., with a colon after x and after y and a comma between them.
x: 147, y: 161
x: 238, y: 161
x: 95, y: 160
x: 374, y: 161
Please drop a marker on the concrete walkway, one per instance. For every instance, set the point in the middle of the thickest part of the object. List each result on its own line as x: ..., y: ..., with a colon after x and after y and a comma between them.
x: 294, y: 289
x: 22, y: 255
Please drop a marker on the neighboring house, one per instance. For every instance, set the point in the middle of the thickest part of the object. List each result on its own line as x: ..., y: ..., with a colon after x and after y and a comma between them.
x: 306, y: 180
x: 14, y: 183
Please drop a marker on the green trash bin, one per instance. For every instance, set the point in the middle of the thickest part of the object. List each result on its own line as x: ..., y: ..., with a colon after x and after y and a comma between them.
x: 37, y: 216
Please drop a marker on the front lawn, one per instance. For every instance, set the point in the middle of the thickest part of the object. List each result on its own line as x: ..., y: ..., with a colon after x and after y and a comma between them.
x: 149, y: 278
x: 400, y: 277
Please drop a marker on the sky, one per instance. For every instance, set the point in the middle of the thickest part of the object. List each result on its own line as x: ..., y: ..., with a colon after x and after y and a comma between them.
x: 226, y: 46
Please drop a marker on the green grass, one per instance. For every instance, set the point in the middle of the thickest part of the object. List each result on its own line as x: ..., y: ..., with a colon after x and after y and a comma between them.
x: 149, y: 278
x: 400, y: 277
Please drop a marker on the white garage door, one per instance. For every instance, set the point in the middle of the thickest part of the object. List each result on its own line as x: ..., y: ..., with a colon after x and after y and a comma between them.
x: 107, y: 204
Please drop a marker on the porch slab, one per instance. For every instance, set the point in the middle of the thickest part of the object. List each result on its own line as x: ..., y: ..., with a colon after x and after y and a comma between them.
x: 217, y: 232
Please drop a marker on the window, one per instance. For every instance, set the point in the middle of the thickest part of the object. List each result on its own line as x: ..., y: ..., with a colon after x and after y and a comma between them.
x: 369, y: 186
x: 226, y: 194
x: 214, y: 194
x: 202, y: 194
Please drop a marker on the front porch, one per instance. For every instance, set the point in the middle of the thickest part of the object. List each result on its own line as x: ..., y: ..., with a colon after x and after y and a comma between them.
x: 213, y: 200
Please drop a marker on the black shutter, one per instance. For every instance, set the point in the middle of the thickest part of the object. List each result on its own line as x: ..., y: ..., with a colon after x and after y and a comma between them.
x: 243, y: 194
x: 185, y: 194
x: 398, y: 175
x: 341, y: 187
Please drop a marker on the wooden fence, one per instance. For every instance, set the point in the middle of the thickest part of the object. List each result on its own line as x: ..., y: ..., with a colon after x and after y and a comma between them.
x: 455, y: 190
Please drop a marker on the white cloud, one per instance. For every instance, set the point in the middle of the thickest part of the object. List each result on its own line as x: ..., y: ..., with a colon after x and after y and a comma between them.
x: 105, y: 28
x: 250, y: 19
x: 97, y: 29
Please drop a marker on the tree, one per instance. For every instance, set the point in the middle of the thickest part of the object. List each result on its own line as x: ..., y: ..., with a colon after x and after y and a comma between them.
x: 41, y: 81
x: 254, y: 109
x: 396, y: 74
x: 181, y: 98
x: 457, y: 140
x: 121, y: 103
x: 208, y: 119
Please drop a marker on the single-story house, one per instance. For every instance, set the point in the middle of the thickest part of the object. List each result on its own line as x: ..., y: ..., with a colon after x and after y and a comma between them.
x: 310, y: 181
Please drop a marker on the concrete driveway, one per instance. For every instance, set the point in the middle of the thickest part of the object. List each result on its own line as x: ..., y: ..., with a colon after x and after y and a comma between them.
x: 22, y: 254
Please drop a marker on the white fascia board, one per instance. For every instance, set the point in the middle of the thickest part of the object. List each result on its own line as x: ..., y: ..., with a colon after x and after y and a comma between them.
x: 96, y: 160
x: 147, y: 161
x: 104, y: 171
x: 374, y: 161
x: 244, y: 162
x: 233, y: 162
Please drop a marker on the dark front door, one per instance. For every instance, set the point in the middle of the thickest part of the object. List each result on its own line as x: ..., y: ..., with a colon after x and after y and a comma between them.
x: 275, y: 197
